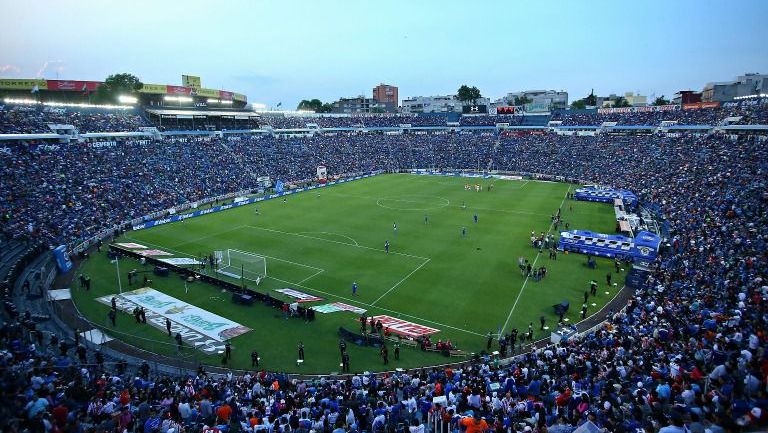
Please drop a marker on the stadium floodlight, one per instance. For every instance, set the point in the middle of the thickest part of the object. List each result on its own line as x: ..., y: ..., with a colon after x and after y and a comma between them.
x: 178, y: 98
x: 125, y: 99
x: 65, y: 104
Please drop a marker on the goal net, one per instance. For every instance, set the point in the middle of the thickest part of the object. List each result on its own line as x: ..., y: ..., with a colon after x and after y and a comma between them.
x: 241, y: 264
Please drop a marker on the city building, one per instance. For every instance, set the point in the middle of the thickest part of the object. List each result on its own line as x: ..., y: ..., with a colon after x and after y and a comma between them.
x: 634, y: 100
x: 744, y: 86
x: 686, y: 97
x: 546, y: 99
x: 387, y: 94
x: 437, y: 104
x: 361, y: 104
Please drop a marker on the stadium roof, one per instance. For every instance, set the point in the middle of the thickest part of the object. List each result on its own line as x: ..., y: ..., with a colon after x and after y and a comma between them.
x: 201, y: 113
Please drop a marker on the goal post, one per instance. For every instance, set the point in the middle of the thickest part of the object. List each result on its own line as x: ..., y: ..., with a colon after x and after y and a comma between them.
x: 241, y: 264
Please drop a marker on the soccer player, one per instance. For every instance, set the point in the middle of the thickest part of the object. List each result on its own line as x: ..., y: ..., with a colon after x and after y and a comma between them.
x: 475, y: 218
x: 386, y: 246
x: 394, y: 227
x: 426, y: 219
x: 463, y: 232
x: 354, y: 288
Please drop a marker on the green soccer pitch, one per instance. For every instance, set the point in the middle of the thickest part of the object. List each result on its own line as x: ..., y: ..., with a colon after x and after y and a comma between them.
x: 320, y: 241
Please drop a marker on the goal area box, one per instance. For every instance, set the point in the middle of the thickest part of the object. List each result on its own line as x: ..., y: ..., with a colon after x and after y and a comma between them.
x: 241, y: 265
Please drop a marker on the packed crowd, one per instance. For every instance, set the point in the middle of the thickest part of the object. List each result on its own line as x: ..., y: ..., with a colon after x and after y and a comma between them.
x: 686, y: 354
x: 751, y: 112
x: 354, y: 121
x: 25, y: 119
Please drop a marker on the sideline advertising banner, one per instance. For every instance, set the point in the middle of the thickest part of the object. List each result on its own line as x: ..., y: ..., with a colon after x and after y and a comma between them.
x: 202, y: 321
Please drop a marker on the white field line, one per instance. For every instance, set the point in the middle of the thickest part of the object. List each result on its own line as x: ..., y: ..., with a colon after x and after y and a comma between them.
x: 331, y: 233
x: 210, y: 235
x: 399, y: 282
x: 526, y: 278
x: 335, y: 242
x: 311, y: 276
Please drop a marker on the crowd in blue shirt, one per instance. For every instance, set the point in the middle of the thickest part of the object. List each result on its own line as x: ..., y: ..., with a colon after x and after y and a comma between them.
x: 687, y: 352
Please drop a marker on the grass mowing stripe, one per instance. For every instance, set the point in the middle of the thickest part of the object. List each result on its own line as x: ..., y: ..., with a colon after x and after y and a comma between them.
x: 335, y: 242
x: 398, y: 313
x: 532, y: 266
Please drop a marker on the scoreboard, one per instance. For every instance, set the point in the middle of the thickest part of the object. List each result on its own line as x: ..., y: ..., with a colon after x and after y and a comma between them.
x: 474, y: 109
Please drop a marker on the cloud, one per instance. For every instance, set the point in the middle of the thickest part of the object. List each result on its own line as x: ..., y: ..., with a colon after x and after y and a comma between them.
x: 9, y: 68
x: 56, y: 65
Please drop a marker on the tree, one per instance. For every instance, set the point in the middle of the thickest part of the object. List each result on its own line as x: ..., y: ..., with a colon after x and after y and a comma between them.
x: 587, y: 101
x: 466, y: 94
x: 661, y: 101
x: 591, y: 99
x: 310, y: 105
x: 522, y: 100
x: 117, y: 85
x: 621, y: 102
x: 315, y: 105
x: 579, y: 104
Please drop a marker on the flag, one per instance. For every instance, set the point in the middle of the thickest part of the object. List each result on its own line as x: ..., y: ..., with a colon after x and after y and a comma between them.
x: 36, y: 89
x: 279, y: 104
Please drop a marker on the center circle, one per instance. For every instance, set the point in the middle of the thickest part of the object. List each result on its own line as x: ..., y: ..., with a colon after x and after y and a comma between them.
x: 413, y: 202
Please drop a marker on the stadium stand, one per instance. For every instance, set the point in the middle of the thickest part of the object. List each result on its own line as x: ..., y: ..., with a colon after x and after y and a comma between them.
x: 25, y: 119
x: 688, y: 348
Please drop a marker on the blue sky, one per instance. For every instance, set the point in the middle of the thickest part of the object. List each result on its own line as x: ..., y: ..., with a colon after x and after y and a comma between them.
x: 286, y: 50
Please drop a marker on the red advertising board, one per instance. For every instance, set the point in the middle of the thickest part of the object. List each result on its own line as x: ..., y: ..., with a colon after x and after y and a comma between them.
x: 408, y: 329
x: 699, y: 105
x: 73, y: 85
x: 179, y: 90
x: 225, y: 96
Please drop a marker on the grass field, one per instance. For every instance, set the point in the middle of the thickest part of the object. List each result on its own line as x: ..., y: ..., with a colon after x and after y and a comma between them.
x: 319, y: 242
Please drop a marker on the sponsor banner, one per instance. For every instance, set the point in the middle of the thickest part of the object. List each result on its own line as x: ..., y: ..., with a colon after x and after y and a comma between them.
x: 239, y: 97
x: 73, y: 85
x: 208, y: 93
x: 194, y: 214
x: 334, y: 307
x: 154, y: 253
x: 21, y: 84
x: 327, y: 308
x: 131, y: 245
x: 404, y: 328
x: 505, y: 177
x: 225, y: 96
x: 189, y: 336
x: 202, y: 321
x: 422, y: 172
x: 178, y: 90
x: 302, y: 297
x: 154, y: 88
x: 181, y: 261
x: 346, y: 307
x: 191, y: 81
x: 670, y: 107
x: 700, y: 105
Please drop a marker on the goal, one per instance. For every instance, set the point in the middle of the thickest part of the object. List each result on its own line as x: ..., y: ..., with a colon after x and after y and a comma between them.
x: 241, y: 264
